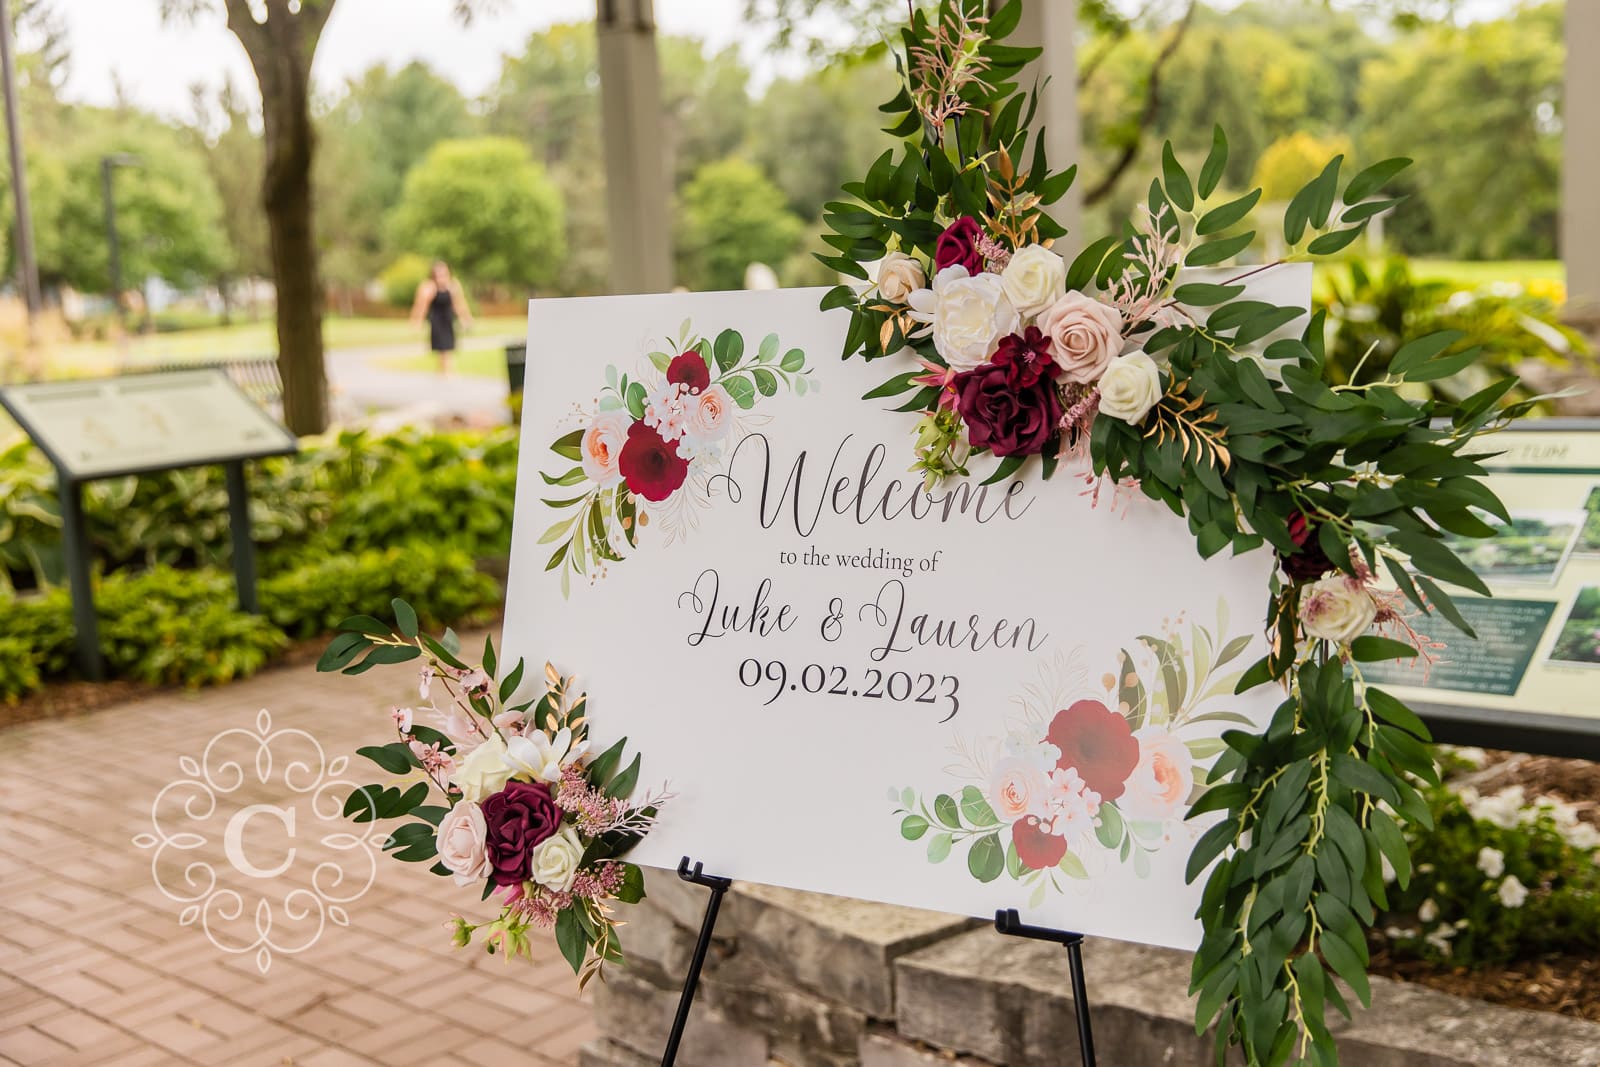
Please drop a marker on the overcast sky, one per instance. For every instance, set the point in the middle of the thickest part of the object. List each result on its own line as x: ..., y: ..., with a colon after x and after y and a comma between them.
x: 125, y: 42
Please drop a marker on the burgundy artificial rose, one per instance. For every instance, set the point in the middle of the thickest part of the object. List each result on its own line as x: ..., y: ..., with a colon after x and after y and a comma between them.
x: 958, y: 246
x: 1097, y: 743
x: 1308, y: 562
x: 1010, y: 404
x: 519, y: 818
x: 1036, y: 849
x: 650, y: 465
x: 690, y: 370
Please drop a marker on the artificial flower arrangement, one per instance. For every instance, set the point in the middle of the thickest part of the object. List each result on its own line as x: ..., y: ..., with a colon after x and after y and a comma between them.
x: 526, y: 811
x: 1148, y: 380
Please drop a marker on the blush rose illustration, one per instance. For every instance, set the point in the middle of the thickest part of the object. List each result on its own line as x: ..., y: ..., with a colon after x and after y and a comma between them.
x: 651, y: 466
x: 1097, y: 743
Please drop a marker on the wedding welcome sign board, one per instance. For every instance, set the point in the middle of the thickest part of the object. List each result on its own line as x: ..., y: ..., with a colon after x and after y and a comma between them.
x: 984, y: 696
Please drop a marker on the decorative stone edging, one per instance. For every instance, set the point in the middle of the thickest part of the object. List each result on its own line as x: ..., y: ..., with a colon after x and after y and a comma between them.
x: 813, y: 981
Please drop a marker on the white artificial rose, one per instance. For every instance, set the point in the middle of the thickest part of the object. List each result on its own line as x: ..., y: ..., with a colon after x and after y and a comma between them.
x: 484, y: 772
x: 899, y: 275
x: 1085, y: 335
x: 1337, y: 609
x: 968, y: 315
x: 555, y: 861
x: 461, y: 843
x: 1130, y: 387
x: 601, y: 447
x: 1034, y: 279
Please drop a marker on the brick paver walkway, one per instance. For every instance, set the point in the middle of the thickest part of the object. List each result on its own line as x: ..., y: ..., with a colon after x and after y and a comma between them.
x: 95, y: 967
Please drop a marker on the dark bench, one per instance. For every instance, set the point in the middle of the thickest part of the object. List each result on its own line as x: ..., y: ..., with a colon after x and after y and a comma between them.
x: 257, y: 376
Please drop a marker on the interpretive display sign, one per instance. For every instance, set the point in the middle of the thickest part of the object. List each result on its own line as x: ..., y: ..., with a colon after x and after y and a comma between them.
x: 992, y: 694
x: 102, y: 427
x: 1537, y: 657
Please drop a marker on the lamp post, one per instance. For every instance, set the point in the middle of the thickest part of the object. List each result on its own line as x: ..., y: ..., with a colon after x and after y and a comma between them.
x: 113, y: 247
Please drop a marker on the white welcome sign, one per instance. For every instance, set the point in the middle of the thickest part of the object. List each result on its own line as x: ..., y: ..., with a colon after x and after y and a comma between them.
x: 974, y: 698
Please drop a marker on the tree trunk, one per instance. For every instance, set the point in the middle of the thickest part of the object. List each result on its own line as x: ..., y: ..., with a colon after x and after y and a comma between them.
x: 280, y: 49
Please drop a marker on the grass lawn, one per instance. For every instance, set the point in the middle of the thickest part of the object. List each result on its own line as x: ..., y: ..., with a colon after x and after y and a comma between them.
x: 259, y: 338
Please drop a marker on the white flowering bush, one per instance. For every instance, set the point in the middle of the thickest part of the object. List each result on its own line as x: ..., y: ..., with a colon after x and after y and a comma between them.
x: 1499, y: 877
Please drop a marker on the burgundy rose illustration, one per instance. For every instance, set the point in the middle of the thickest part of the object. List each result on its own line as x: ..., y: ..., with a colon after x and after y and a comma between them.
x: 1010, y: 405
x: 1097, y: 743
x: 519, y: 818
x: 1308, y: 562
x: 1036, y: 849
x: 958, y: 246
x: 690, y: 370
x: 651, y: 467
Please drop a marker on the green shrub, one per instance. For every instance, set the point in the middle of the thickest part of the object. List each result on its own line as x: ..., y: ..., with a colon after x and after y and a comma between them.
x: 30, y: 518
x: 1373, y: 314
x: 35, y: 641
x: 400, y: 279
x: 1497, y: 879
x: 19, y: 671
x: 443, y: 585
x: 170, y: 627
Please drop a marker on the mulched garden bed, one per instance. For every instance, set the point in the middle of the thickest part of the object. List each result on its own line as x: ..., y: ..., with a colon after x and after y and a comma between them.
x: 1567, y: 985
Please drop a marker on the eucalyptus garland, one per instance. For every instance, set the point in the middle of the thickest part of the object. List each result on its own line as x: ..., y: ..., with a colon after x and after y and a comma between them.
x: 1005, y: 350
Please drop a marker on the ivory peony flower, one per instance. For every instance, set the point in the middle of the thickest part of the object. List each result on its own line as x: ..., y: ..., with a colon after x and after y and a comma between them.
x: 1130, y: 387
x: 539, y: 758
x: 710, y: 419
x: 1160, y: 784
x: 968, y: 315
x: 555, y: 862
x: 1085, y: 335
x: 601, y: 446
x: 1018, y: 787
x: 484, y: 772
x: 1337, y: 609
x: 461, y: 843
x: 1035, y: 279
x: 899, y: 275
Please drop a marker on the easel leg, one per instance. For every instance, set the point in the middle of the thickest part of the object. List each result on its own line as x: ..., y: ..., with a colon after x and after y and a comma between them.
x: 691, y: 982
x: 1008, y: 922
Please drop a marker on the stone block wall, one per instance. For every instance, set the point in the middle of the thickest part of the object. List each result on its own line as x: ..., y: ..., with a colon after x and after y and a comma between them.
x: 803, y: 980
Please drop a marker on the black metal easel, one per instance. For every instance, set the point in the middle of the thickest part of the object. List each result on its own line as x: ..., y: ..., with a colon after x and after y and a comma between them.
x: 718, y: 886
x: 1008, y: 922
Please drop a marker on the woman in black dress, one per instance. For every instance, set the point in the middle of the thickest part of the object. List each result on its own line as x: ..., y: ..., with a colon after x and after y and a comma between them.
x: 441, y: 301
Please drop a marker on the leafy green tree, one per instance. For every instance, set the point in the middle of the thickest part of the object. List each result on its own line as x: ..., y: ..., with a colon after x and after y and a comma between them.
x: 1291, y: 162
x: 826, y: 116
x: 1479, y: 108
x: 487, y: 208
x: 382, y: 126
x: 730, y: 216
x: 169, y: 216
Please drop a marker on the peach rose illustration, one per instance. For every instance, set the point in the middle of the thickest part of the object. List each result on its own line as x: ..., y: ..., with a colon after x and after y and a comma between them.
x: 709, y: 420
x: 602, y: 446
x: 1018, y: 788
x: 1159, y: 787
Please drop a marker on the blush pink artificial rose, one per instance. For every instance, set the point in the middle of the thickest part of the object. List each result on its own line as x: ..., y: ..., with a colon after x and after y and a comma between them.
x: 462, y: 843
x: 1159, y: 787
x: 1084, y: 336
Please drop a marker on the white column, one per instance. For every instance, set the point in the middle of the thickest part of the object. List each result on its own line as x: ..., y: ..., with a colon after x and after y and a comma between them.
x: 1053, y: 24
x: 1580, y: 172
x: 638, y: 196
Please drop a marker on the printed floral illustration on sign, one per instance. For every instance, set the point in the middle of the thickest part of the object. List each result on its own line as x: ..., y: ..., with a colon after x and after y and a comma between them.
x: 644, y: 452
x: 1093, y: 771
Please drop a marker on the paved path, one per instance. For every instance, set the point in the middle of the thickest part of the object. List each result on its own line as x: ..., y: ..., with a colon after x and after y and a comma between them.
x: 96, y: 969
x: 362, y: 384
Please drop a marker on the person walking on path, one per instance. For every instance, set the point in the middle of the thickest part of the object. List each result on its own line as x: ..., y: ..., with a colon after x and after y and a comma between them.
x: 441, y: 301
